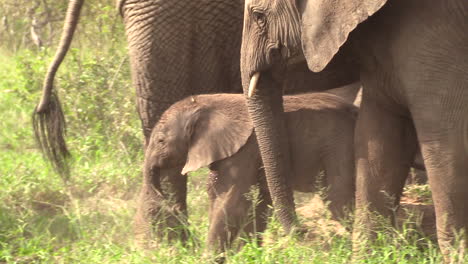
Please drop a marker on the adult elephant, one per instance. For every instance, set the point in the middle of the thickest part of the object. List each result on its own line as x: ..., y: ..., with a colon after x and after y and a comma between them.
x: 411, y: 57
x: 177, y: 48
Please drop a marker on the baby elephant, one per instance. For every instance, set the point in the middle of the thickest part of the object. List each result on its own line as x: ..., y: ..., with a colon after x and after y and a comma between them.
x: 215, y: 131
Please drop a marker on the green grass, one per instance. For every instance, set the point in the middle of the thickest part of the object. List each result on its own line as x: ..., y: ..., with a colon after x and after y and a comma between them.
x: 89, y: 218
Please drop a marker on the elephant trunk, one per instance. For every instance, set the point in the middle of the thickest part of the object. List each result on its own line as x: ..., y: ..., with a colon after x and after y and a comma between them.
x: 48, y: 119
x: 174, y: 216
x: 266, y: 112
x: 150, y: 203
x: 163, y: 204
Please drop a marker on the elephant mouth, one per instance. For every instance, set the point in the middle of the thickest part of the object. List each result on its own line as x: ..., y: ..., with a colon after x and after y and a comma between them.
x: 271, y: 77
x: 264, y: 78
x: 296, y: 58
x: 280, y: 57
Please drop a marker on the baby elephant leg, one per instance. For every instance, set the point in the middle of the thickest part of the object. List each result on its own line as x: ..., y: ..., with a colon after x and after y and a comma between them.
x: 231, y: 196
x: 242, y: 210
x: 262, y: 211
x: 339, y: 178
x: 229, y: 212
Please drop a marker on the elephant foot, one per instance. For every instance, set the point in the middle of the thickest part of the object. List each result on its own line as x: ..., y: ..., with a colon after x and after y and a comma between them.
x: 211, y: 256
x: 142, y: 231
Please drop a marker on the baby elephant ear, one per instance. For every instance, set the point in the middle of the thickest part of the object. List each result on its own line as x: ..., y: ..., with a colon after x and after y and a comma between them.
x: 326, y: 24
x: 215, y: 136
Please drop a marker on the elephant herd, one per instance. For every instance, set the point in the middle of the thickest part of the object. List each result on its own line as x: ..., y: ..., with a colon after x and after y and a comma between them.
x: 410, y: 56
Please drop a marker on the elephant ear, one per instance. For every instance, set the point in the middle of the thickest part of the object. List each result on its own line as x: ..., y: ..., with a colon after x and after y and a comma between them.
x: 214, y: 136
x: 326, y: 25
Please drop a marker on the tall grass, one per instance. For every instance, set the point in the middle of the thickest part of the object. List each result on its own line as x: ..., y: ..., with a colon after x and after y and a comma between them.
x: 88, y: 219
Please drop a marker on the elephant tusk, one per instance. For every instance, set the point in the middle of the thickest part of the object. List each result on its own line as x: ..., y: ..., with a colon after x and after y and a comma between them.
x: 253, y: 83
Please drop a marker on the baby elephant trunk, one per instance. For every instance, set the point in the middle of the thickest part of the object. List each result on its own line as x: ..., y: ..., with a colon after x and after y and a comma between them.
x: 162, y: 210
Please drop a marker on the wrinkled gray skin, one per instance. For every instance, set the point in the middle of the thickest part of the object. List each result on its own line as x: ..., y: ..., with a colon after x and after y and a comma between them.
x: 176, y: 48
x: 215, y: 131
x: 419, y: 177
x: 411, y: 58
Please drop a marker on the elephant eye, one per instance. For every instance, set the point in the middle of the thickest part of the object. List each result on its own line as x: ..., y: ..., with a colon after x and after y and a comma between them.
x: 259, y: 18
x: 159, y: 138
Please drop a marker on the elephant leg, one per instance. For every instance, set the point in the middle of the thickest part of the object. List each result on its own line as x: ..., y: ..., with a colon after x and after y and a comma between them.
x: 385, y: 146
x: 237, y: 213
x: 340, y: 176
x: 231, y: 196
x: 229, y: 213
x: 446, y: 159
x: 259, y: 220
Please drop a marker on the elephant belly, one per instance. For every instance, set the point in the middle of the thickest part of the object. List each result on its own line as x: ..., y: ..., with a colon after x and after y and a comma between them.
x: 305, y: 152
x: 305, y: 180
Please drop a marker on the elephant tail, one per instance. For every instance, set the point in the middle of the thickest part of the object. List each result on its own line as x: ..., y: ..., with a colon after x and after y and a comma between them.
x: 49, y: 130
x: 48, y: 119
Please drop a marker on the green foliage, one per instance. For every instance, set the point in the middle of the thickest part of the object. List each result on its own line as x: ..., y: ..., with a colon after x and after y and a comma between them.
x: 99, y: 25
x: 420, y: 192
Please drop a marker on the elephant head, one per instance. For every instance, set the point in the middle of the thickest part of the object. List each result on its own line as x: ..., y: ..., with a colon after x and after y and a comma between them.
x: 191, y: 134
x: 281, y: 32
x: 196, y: 132
x: 284, y: 30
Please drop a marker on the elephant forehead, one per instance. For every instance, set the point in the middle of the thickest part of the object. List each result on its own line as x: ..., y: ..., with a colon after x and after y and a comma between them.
x: 257, y: 4
x: 163, y: 128
x: 171, y: 128
x: 160, y: 126
x: 171, y: 116
x: 269, y: 4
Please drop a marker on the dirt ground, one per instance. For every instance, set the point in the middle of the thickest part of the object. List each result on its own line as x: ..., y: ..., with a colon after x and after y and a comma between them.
x: 415, y: 211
